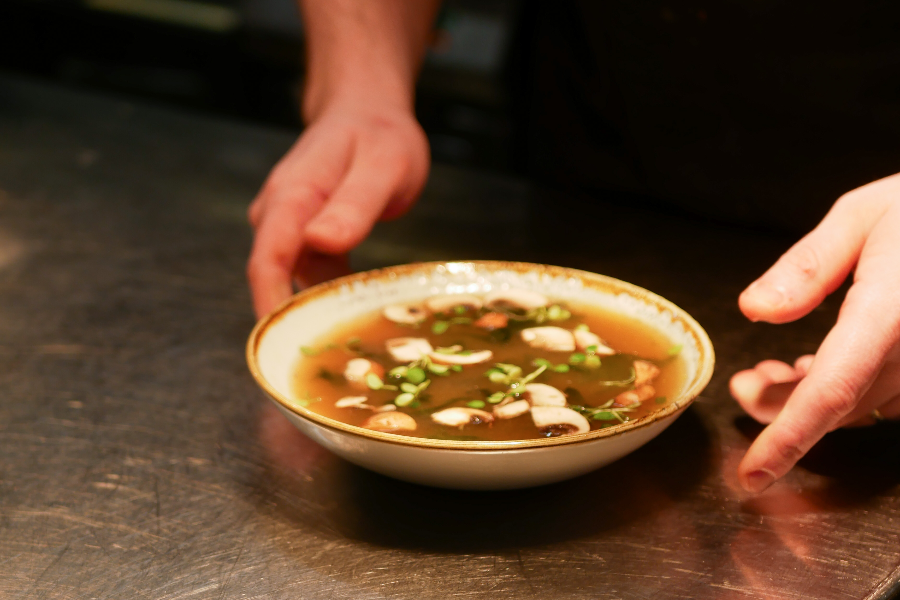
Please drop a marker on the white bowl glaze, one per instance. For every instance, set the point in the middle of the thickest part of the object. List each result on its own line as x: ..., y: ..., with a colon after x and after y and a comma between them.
x: 274, y: 349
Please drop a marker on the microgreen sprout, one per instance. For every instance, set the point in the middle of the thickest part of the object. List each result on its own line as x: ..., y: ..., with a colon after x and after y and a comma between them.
x: 307, y: 399
x: 475, y: 404
x: 606, y: 412
x: 415, y: 375
x: 516, y: 384
x: 310, y: 351
x: 504, y: 373
x: 558, y: 313
x: 410, y: 393
x: 588, y: 358
x: 620, y: 382
x: 543, y: 362
x: 375, y: 383
x: 674, y: 350
x: 440, y: 326
x: 539, y: 315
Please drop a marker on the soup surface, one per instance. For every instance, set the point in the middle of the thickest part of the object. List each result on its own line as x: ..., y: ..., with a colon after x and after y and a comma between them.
x: 511, y: 365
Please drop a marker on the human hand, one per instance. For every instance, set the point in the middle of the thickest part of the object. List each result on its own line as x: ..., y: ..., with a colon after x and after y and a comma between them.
x: 856, y: 370
x: 354, y: 164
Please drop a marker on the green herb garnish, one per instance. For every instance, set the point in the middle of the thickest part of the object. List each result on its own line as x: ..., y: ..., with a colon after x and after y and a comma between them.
x: 310, y: 351
x: 415, y: 375
x: 606, y: 412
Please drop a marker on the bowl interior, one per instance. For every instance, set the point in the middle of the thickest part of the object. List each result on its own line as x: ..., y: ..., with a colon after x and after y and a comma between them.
x: 274, y: 346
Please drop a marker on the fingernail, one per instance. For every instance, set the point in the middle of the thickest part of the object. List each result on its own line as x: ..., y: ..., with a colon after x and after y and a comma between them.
x: 765, y: 293
x: 757, y: 481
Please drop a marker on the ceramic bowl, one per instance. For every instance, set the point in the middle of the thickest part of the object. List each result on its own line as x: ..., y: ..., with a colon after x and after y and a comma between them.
x: 274, y: 349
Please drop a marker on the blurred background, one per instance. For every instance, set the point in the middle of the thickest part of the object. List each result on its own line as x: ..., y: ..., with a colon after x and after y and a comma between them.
x: 244, y: 59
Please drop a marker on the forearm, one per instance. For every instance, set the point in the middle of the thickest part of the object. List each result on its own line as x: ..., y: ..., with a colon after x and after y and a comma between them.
x: 364, y: 51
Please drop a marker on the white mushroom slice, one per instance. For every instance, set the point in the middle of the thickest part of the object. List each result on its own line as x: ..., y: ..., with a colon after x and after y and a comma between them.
x: 408, y: 349
x: 586, y: 339
x: 405, y: 314
x: 385, y: 408
x: 442, y: 304
x: 644, y: 372
x: 390, y: 421
x: 549, y: 338
x: 512, y: 410
x: 351, y: 401
x: 459, y: 416
x: 462, y: 359
x: 357, y: 369
x: 558, y: 420
x: 541, y: 394
x: 522, y: 299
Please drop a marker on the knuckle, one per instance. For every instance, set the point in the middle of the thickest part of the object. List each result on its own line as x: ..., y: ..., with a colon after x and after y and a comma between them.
x: 840, y: 397
x: 803, y: 260
x: 790, y: 445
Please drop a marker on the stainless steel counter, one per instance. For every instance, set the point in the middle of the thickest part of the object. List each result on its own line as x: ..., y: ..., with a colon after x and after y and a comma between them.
x: 139, y: 460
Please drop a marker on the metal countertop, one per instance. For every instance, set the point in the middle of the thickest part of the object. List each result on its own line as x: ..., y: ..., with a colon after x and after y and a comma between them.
x: 139, y: 460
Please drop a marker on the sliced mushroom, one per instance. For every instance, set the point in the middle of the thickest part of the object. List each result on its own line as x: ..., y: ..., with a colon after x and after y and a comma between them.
x: 408, y: 349
x: 459, y: 416
x: 390, y: 421
x: 512, y: 409
x: 636, y: 396
x: 549, y: 338
x: 358, y: 369
x: 491, y: 321
x: 473, y: 358
x: 586, y: 339
x: 553, y: 421
x: 352, y: 402
x: 442, y: 304
x: 405, y: 314
x: 385, y: 408
x: 515, y: 299
x: 644, y: 372
x: 541, y: 394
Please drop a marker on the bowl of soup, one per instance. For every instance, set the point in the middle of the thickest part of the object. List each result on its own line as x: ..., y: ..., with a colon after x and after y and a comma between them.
x: 480, y: 374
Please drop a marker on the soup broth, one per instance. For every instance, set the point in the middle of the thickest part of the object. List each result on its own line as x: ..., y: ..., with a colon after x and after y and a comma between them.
x: 604, y: 368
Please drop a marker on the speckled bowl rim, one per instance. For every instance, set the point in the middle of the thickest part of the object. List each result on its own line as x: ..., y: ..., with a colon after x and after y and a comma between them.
x: 705, y: 366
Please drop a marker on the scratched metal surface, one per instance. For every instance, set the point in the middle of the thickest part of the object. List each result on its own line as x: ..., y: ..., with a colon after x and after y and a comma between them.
x: 138, y: 460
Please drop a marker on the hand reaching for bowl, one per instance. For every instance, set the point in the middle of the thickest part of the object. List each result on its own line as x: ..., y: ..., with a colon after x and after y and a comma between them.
x: 352, y: 166
x: 856, y: 370
x: 363, y: 155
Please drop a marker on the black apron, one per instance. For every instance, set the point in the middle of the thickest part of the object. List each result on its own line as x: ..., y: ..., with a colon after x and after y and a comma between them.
x: 755, y: 111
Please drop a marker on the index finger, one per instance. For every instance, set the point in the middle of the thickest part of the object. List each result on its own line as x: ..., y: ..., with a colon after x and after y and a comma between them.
x: 846, y: 364
x: 277, y: 245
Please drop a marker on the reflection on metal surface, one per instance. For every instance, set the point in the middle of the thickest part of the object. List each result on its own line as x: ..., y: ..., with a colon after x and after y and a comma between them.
x: 150, y: 461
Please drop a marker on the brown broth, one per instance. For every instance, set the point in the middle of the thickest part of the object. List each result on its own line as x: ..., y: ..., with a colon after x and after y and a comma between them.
x: 320, y: 377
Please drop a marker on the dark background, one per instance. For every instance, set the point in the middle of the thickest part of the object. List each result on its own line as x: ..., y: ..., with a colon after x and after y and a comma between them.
x: 244, y: 59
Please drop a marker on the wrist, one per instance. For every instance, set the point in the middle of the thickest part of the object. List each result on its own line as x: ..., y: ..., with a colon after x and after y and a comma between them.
x: 365, y: 90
